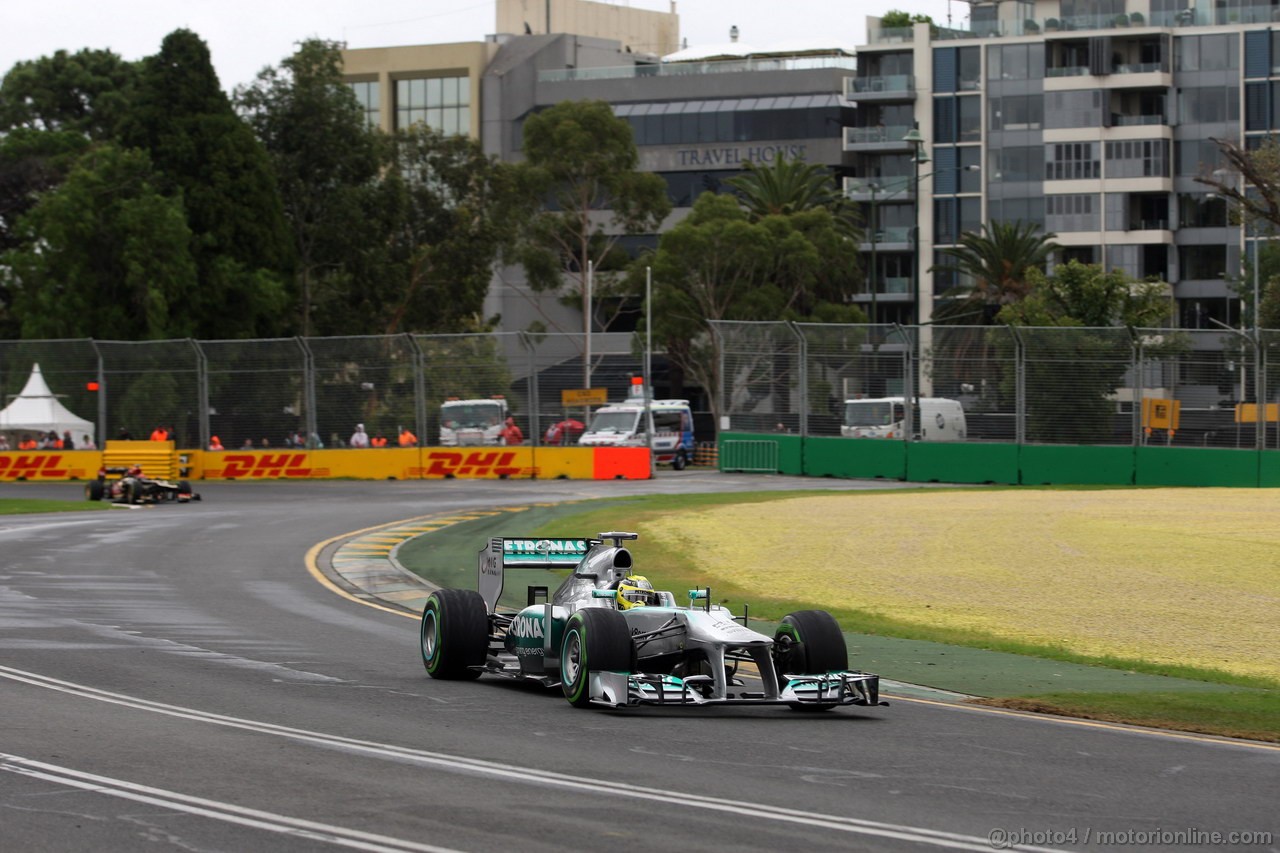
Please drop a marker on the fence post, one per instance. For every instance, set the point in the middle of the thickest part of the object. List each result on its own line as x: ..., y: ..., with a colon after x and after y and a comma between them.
x: 419, y: 390
x: 202, y: 392
x: 1260, y: 377
x: 1138, y: 365
x: 803, y: 373
x: 309, y: 388
x: 1019, y: 386
x: 102, y: 396
x: 721, y: 379
x: 909, y: 399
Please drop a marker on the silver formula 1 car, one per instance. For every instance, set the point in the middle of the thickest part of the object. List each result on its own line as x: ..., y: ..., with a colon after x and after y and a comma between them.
x: 608, y: 639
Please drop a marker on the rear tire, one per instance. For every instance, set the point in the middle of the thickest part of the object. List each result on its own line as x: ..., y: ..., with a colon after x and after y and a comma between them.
x: 594, y: 639
x: 680, y: 461
x: 454, y: 634
x: 809, y: 642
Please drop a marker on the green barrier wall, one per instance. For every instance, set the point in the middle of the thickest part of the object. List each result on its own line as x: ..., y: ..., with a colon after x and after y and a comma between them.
x: 1028, y: 464
x: 855, y: 458
x: 1066, y: 464
x: 1192, y: 466
x: 961, y: 462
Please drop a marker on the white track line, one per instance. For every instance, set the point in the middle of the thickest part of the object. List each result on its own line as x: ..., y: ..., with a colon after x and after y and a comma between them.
x: 526, y: 775
x: 226, y: 812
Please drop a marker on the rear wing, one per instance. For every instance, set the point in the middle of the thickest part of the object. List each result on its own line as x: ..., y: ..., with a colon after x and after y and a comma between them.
x: 522, y: 552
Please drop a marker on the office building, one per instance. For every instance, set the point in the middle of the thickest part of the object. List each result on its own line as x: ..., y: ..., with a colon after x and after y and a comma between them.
x: 1090, y: 118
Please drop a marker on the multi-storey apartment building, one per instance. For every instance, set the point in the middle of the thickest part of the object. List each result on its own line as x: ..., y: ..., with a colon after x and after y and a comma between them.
x: 698, y: 116
x: 1090, y: 118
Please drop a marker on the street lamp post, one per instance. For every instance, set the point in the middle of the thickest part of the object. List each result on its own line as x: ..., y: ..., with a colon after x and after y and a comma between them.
x: 916, y: 141
x: 871, y: 274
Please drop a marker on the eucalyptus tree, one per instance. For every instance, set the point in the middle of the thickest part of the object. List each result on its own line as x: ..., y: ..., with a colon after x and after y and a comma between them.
x: 581, y: 168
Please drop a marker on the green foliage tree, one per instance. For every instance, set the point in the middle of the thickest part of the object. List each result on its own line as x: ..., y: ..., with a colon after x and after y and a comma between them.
x: 998, y: 260
x: 1071, y: 374
x: 582, y: 159
x: 207, y: 154
x: 326, y: 161
x: 1250, y: 181
x: 721, y: 264
x: 786, y: 187
x: 455, y: 211
x: 87, y: 92
x: 105, y: 254
x: 897, y: 19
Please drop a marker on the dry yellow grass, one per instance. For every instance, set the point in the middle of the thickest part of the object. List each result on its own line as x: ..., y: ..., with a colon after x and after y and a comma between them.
x: 1184, y: 576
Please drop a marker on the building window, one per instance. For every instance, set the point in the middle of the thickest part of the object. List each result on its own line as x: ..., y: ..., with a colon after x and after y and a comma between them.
x: 1016, y: 164
x: 1198, y: 157
x: 1015, y: 62
x: 441, y: 103
x: 369, y: 98
x: 1202, y: 263
x: 1073, y: 109
x: 1017, y: 112
x: 1017, y: 210
x: 1076, y: 212
x: 1206, y: 53
x: 1209, y: 104
x: 1202, y: 210
x: 1138, y: 158
x: 955, y: 216
x: 1072, y: 161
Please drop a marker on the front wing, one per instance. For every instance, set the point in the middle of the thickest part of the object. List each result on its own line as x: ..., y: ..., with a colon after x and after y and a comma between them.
x: 617, y: 690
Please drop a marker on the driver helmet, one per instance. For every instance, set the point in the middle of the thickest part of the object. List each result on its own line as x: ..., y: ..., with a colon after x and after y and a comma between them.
x: 135, y: 471
x: 635, y: 591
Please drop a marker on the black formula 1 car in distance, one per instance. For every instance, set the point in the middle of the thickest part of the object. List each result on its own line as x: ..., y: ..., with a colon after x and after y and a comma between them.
x: 128, y: 486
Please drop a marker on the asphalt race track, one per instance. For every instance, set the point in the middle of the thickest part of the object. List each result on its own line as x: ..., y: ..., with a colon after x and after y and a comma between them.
x: 174, y: 679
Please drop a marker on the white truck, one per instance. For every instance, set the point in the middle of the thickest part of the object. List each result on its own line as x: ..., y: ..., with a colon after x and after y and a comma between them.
x: 939, y: 419
x: 625, y: 425
x: 472, y: 422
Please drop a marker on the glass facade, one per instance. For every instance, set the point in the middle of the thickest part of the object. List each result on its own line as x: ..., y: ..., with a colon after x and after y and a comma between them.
x: 441, y: 103
x: 741, y: 120
x: 368, y: 96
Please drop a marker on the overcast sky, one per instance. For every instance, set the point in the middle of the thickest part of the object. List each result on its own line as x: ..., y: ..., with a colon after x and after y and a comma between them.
x: 244, y: 36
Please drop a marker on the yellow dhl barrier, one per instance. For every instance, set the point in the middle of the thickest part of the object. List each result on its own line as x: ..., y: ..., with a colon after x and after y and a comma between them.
x: 50, y: 465
x: 575, y: 463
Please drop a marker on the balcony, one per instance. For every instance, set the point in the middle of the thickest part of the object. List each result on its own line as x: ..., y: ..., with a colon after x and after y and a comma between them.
x: 859, y: 189
x: 878, y: 138
x: 887, y: 87
x: 1121, y: 120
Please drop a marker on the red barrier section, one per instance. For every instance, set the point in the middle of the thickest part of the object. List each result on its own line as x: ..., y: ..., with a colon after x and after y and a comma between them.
x: 621, y: 463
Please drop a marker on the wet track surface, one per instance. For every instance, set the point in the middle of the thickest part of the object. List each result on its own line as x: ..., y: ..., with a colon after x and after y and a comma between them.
x: 174, y: 678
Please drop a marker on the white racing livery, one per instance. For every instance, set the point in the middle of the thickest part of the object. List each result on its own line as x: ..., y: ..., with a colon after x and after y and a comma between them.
x: 608, y: 639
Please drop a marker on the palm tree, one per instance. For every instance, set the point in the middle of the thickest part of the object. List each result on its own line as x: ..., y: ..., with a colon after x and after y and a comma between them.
x: 792, y: 186
x: 996, y: 260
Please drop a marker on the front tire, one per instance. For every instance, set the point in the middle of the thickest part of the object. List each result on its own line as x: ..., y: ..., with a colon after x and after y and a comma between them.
x: 94, y: 489
x: 809, y: 642
x: 680, y: 461
x: 454, y: 634
x: 594, y: 639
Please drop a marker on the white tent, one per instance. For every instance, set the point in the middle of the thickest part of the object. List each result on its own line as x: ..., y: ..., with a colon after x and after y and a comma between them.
x: 37, y: 410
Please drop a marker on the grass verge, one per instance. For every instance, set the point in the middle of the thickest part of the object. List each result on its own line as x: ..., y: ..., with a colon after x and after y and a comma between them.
x: 1253, y: 714
x: 18, y: 506
x: 1249, y: 713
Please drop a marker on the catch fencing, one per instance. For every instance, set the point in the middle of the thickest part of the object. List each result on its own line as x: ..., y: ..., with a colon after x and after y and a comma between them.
x: 1016, y: 385
x: 1080, y: 386
x: 314, y: 391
